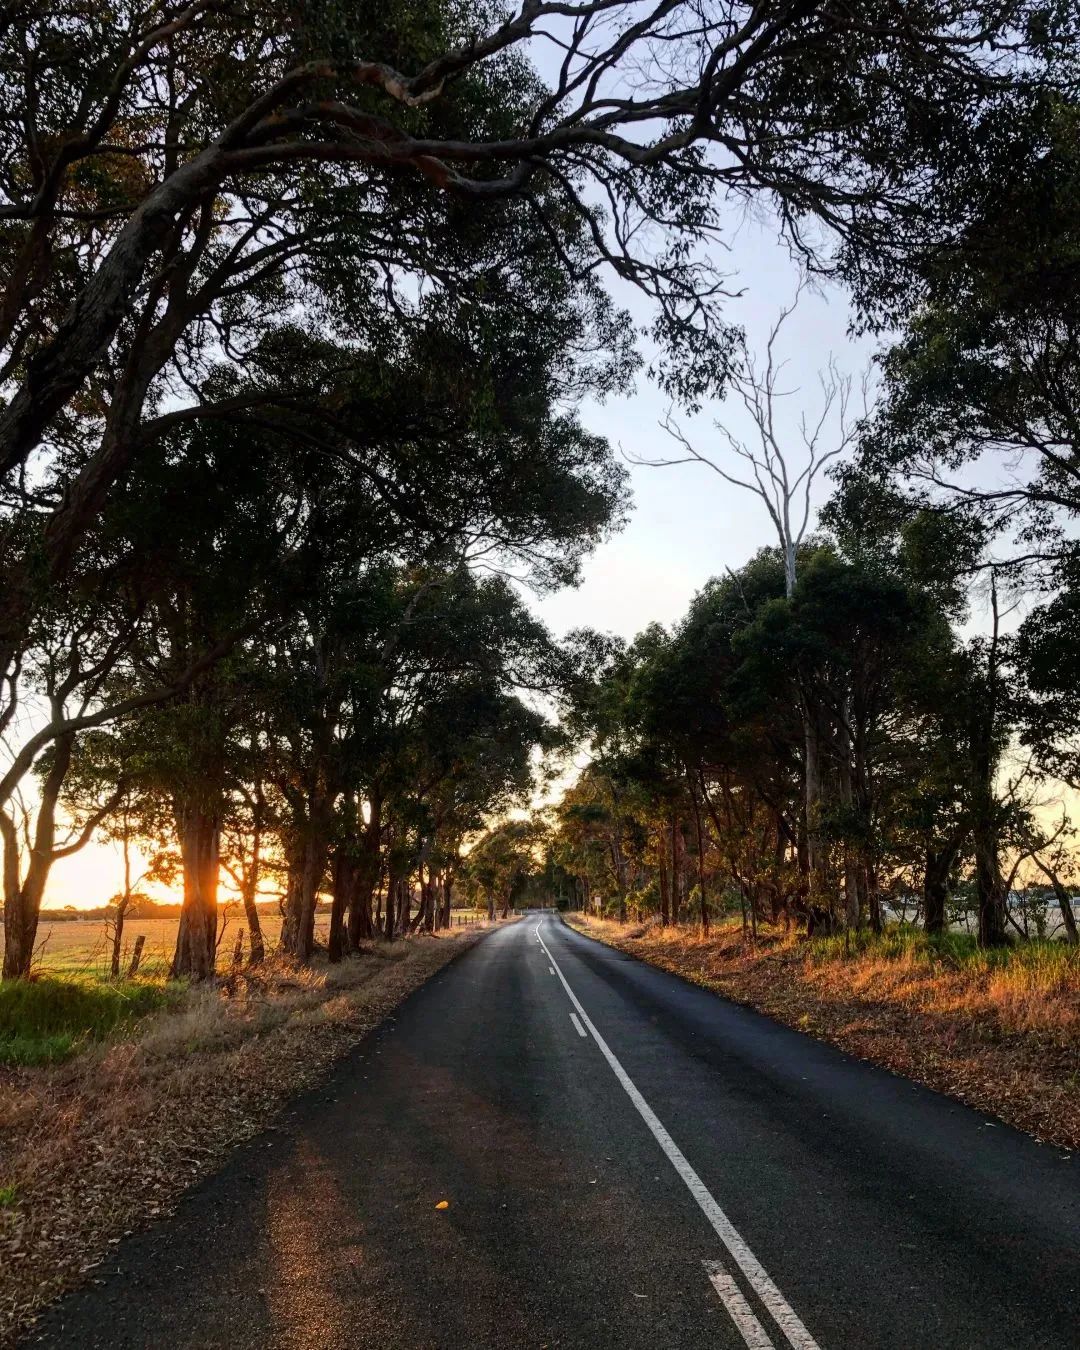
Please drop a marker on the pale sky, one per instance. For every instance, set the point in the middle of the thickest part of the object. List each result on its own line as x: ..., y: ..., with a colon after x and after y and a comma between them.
x: 687, y: 524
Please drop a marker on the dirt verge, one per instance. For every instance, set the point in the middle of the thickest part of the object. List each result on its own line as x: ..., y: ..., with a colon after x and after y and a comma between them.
x: 95, y: 1147
x: 1004, y: 1039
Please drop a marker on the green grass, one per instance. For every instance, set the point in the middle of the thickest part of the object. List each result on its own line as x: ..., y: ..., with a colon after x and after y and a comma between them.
x: 43, y: 1021
x: 1044, y: 960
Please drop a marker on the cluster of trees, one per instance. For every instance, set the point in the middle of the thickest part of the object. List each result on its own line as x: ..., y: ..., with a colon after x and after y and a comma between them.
x: 818, y: 737
x: 700, y: 791
x: 296, y: 302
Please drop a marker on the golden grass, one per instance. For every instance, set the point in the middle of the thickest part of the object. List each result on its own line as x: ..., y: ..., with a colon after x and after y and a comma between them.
x: 91, y: 1148
x: 1000, y: 1030
x: 83, y: 946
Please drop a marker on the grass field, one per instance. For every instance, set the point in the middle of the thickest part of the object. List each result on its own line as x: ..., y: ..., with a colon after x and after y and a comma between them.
x: 82, y: 947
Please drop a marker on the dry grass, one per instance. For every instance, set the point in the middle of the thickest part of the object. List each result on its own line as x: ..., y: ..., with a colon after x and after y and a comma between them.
x: 94, y: 1147
x: 83, y: 946
x: 999, y: 1030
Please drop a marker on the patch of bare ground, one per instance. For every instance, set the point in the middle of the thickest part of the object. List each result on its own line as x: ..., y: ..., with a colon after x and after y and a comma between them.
x: 95, y: 1147
x: 1000, y: 1032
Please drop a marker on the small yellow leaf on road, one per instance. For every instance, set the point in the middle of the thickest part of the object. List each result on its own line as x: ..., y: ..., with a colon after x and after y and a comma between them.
x: 443, y: 1204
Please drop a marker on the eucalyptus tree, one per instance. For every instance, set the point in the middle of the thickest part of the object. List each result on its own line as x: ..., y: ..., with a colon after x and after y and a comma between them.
x: 730, y: 747
x: 71, y: 653
x: 500, y: 863
x: 783, y: 463
x: 398, y: 704
x: 477, y: 748
x: 175, y: 176
x: 80, y: 674
x: 984, y: 372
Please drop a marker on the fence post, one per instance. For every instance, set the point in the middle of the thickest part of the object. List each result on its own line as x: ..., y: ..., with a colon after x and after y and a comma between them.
x: 136, y: 955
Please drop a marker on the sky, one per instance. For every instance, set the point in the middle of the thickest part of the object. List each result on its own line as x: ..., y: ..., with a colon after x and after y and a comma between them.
x: 687, y: 524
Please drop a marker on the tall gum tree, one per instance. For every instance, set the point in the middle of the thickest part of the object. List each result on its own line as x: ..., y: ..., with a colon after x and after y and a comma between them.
x: 177, y: 171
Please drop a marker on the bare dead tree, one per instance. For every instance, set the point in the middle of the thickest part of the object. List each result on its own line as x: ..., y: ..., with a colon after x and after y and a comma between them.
x: 780, y: 474
x: 781, y: 468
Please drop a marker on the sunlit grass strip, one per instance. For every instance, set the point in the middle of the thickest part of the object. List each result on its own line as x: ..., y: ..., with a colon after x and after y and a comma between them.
x: 1042, y: 964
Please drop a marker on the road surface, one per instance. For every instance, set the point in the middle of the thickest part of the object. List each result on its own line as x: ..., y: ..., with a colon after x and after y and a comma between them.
x: 629, y: 1161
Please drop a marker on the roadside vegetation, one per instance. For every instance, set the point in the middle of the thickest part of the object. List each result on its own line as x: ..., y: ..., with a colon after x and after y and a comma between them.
x: 997, y: 1029
x: 46, y: 1020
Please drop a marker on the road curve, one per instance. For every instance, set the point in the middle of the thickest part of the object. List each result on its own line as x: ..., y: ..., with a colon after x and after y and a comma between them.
x: 629, y: 1161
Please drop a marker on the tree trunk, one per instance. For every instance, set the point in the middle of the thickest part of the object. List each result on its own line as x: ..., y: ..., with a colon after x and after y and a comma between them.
x: 678, y: 869
x: 447, y: 897
x: 136, y: 956
x: 1068, y: 918
x: 819, y: 896
x: 852, y: 909
x: 429, y: 901
x: 935, y: 890
x: 22, y: 898
x: 665, y: 882
x: 392, y: 888
x: 307, y: 866
x: 20, y: 934
x: 937, y: 867
x: 367, y: 876
x: 342, y: 873
x: 990, y: 889
x: 117, y: 938
x: 365, y: 881
x: 701, y: 862
x: 619, y: 861
x: 121, y: 906
x: 197, y: 830
x: 249, y: 892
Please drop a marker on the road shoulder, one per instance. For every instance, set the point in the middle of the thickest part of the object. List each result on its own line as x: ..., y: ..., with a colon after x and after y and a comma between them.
x: 98, y: 1147
x: 1005, y: 1061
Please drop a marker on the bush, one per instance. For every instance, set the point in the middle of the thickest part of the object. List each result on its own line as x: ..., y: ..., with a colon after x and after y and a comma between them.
x: 45, y: 1020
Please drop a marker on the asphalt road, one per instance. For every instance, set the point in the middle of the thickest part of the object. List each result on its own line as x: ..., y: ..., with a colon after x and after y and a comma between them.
x: 683, y: 1173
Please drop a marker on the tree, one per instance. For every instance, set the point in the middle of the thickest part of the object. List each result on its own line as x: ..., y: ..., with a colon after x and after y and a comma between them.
x: 784, y: 479
x: 499, y: 865
x: 152, y: 213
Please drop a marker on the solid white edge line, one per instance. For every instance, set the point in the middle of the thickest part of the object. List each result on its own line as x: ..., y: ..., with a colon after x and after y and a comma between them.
x: 781, y: 1311
x: 749, y: 1328
x: 577, y: 1025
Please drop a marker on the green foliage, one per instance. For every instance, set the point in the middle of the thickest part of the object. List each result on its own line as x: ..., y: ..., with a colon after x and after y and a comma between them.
x: 46, y: 1020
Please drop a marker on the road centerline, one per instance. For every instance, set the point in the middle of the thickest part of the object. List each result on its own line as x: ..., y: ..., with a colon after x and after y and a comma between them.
x: 577, y: 1025
x: 746, y: 1322
x: 760, y: 1281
